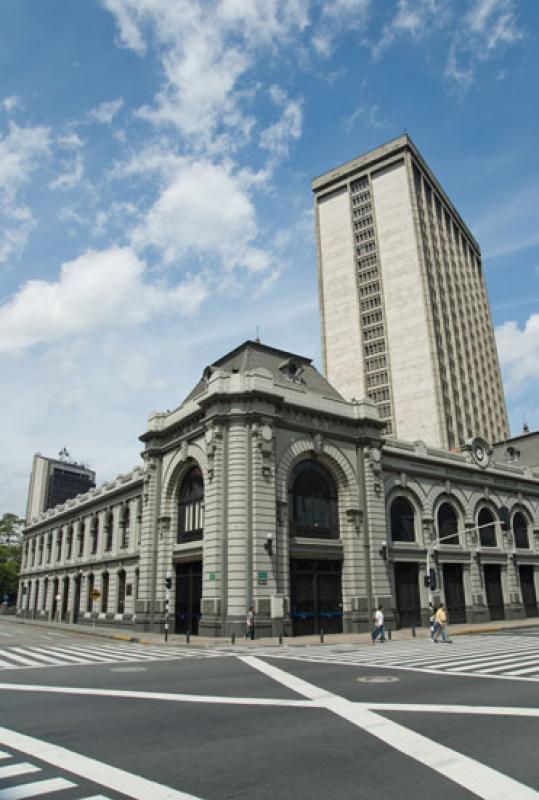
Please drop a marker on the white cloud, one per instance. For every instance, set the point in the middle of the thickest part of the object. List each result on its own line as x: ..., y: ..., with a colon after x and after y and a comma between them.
x: 338, y: 16
x: 488, y: 26
x: 70, y: 141
x: 105, y: 112
x: 276, y: 138
x: 203, y: 210
x: 413, y: 18
x: 21, y: 151
x: 10, y: 103
x: 17, y: 224
x: 518, y: 350
x: 98, y: 290
x: 72, y: 177
x: 207, y: 48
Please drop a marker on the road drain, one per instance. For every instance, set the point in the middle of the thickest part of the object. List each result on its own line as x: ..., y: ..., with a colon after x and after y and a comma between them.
x: 378, y: 679
x: 128, y: 669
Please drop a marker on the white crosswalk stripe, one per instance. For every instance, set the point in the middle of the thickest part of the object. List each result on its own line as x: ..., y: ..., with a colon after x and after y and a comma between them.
x: 77, y: 655
x: 38, y: 788
x: 486, y: 656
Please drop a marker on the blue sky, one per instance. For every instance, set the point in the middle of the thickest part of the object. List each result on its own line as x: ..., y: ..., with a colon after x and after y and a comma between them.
x: 155, y: 204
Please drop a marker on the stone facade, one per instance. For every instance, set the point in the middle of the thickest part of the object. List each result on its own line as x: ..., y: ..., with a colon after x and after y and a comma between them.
x: 256, y: 418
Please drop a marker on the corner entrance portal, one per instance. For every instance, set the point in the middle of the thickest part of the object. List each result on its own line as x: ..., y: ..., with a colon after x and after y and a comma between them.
x: 316, y: 596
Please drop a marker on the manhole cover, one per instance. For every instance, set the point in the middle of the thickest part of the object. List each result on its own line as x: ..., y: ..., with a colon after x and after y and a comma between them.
x: 378, y: 679
x: 128, y: 669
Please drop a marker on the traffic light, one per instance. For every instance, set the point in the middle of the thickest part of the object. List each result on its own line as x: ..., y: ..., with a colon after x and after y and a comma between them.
x: 168, y: 581
x: 505, y: 518
x: 430, y: 579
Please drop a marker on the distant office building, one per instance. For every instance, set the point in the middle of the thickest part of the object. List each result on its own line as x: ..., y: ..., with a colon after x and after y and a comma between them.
x: 522, y: 449
x: 53, y: 481
x: 405, y: 318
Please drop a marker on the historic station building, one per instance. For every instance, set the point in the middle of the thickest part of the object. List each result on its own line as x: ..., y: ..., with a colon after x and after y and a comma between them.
x: 266, y: 488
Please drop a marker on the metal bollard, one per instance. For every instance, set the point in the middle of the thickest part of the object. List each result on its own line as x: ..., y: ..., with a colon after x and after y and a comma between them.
x: 321, y: 636
x: 280, y: 638
x: 187, y: 637
x: 413, y: 631
x: 233, y: 637
x: 389, y: 635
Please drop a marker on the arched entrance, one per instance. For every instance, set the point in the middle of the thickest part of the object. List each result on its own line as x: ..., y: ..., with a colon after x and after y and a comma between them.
x: 405, y: 573
x: 452, y: 584
x: 315, y: 568
x: 188, y: 585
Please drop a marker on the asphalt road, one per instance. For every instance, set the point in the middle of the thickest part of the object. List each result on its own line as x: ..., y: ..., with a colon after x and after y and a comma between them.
x: 115, y: 720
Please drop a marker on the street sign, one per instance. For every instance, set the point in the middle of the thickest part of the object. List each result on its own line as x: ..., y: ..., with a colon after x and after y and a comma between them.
x: 96, y: 594
x: 262, y: 578
x: 211, y: 576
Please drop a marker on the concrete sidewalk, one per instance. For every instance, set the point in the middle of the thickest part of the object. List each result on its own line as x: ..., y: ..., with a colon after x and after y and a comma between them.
x: 125, y: 634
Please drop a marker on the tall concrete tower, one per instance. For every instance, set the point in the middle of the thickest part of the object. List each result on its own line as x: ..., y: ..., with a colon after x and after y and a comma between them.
x: 404, y: 310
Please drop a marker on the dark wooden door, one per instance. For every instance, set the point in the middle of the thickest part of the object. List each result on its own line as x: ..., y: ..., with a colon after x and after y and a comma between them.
x: 188, y: 596
x: 493, y: 589
x: 529, y: 596
x: 316, y: 596
x: 454, y: 593
x: 407, y: 593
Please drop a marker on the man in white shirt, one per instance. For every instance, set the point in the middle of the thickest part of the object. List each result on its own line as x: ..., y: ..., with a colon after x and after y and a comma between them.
x: 379, y: 625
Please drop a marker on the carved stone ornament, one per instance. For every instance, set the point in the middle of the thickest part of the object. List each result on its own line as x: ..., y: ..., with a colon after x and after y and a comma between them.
x: 375, y: 460
x: 318, y: 441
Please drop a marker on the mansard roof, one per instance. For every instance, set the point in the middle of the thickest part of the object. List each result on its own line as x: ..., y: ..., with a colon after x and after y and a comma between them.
x: 287, y: 369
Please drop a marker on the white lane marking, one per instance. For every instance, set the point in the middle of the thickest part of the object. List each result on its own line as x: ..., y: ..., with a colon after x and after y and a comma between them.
x: 3, y: 754
x: 394, y: 666
x: 527, y: 671
x: 177, y: 698
x: 36, y: 789
x: 499, y: 662
x: 64, y: 656
x: 23, y: 768
x: 31, y: 652
x: 113, y: 778
x: 96, y: 797
x: 17, y: 658
x: 477, y: 778
x: 494, y: 711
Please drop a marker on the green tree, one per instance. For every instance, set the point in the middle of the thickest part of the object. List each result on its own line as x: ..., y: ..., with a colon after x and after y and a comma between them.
x: 10, y: 556
x: 10, y: 529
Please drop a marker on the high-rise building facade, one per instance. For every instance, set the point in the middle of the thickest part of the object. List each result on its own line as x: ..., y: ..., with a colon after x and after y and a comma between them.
x: 54, y: 480
x: 405, y: 318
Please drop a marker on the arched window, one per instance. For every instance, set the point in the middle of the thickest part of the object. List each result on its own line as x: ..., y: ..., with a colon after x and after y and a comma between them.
x: 313, y: 502
x: 125, y: 528
x: 487, y: 534
x: 402, y: 520
x: 447, y: 524
x: 80, y: 539
x: 93, y: 535
x: 191, y: 507
x: 69, y: 542
x: 520, y: 531
x: 109, y: 530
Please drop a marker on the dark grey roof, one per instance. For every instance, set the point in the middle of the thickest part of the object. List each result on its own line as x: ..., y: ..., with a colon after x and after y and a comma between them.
x: 288, y: 369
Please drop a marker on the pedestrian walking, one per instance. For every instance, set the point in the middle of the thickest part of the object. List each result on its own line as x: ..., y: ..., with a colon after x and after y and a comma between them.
x: 440, y: 630
x: 378, y: 625
x: 250, y: 624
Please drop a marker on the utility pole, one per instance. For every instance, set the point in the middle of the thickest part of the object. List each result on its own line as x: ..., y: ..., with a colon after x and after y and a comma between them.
x: 168, y: 584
